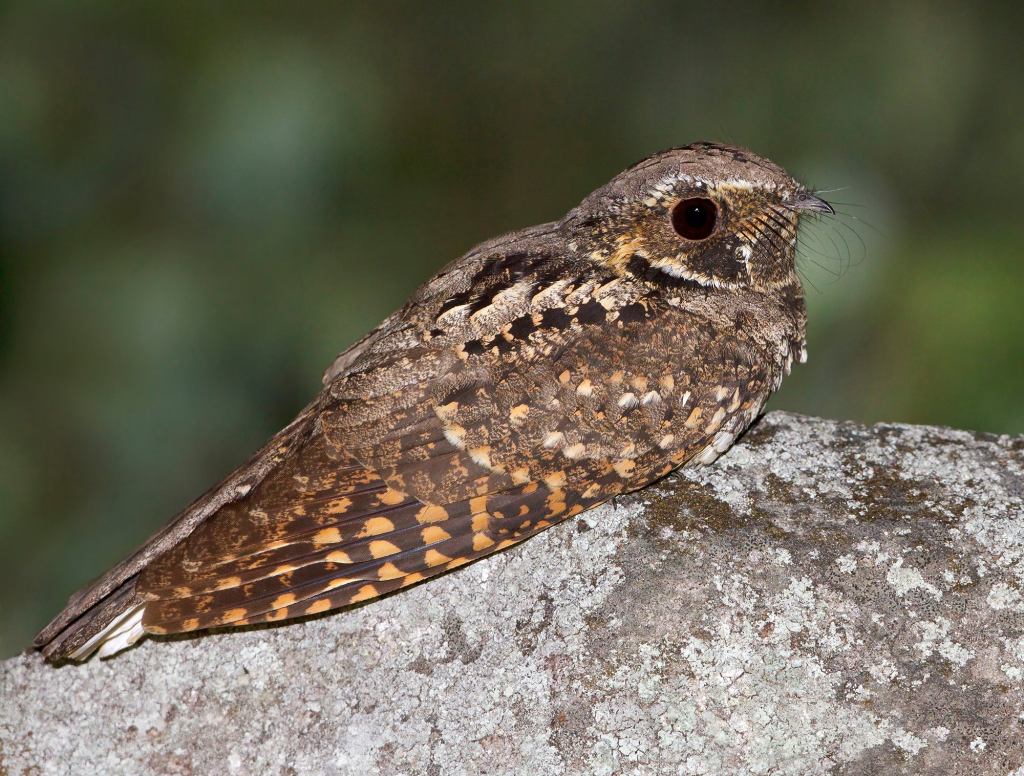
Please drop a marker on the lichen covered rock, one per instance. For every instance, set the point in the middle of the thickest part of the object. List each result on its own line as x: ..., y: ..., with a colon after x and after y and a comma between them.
x: 827, y: 598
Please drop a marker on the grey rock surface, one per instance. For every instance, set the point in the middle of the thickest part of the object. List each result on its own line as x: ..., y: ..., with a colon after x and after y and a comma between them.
x: 827, y: 598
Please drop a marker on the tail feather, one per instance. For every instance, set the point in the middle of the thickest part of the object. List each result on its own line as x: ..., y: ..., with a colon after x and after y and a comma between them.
x: 112, y: 624
x: 106, y: 616
x: 119, y: 634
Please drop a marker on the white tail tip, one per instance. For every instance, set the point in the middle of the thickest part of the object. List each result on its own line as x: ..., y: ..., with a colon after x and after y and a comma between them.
x: 120, y: 634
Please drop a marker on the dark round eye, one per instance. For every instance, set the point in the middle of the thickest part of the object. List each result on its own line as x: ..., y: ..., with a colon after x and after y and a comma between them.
x: 694, y: 218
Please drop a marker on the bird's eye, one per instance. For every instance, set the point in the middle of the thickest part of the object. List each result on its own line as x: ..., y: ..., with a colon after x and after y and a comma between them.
x: 694, y: 218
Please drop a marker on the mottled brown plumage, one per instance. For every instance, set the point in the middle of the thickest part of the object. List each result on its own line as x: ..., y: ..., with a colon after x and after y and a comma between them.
x: 539, y: 375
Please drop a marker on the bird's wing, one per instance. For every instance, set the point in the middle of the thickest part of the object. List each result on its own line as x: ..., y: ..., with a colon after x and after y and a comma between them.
x: 328, y: 531
x: 382, y: 495
x: 436, y: 460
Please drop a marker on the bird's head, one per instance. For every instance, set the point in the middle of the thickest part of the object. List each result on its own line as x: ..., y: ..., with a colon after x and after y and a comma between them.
x: 711, y: 214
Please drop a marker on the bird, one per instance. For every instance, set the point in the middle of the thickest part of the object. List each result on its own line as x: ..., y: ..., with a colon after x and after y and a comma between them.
x: 544, y: 372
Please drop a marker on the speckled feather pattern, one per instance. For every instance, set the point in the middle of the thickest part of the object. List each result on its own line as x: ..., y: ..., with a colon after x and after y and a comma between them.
x: 537, y: 376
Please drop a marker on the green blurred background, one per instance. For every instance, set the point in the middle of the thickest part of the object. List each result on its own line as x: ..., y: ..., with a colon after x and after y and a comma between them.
x: 199, y: 206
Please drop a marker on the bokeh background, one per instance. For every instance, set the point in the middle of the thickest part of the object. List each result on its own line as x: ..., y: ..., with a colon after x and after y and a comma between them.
x: 201, y: 203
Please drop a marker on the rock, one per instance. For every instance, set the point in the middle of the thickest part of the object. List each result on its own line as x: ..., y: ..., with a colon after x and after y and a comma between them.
x: 827, y: 598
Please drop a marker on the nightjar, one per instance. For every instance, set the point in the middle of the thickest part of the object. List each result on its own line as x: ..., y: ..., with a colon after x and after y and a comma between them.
x: 541, y: 374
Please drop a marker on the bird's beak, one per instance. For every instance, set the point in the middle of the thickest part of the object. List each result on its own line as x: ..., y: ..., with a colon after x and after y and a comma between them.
x: 804, y: 200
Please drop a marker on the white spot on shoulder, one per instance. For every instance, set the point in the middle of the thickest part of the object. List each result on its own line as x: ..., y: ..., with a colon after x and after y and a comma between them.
x: 573, y: 451
x: 651, y: 397
x: 453, y: 314
x: 628, y: 400
x: 549, y: 296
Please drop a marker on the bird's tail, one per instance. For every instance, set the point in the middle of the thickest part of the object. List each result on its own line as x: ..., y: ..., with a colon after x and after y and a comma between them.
x: 113, y: 623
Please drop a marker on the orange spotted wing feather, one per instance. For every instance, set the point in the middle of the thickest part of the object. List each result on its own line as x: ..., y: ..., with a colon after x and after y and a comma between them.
x: 325, y: 532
